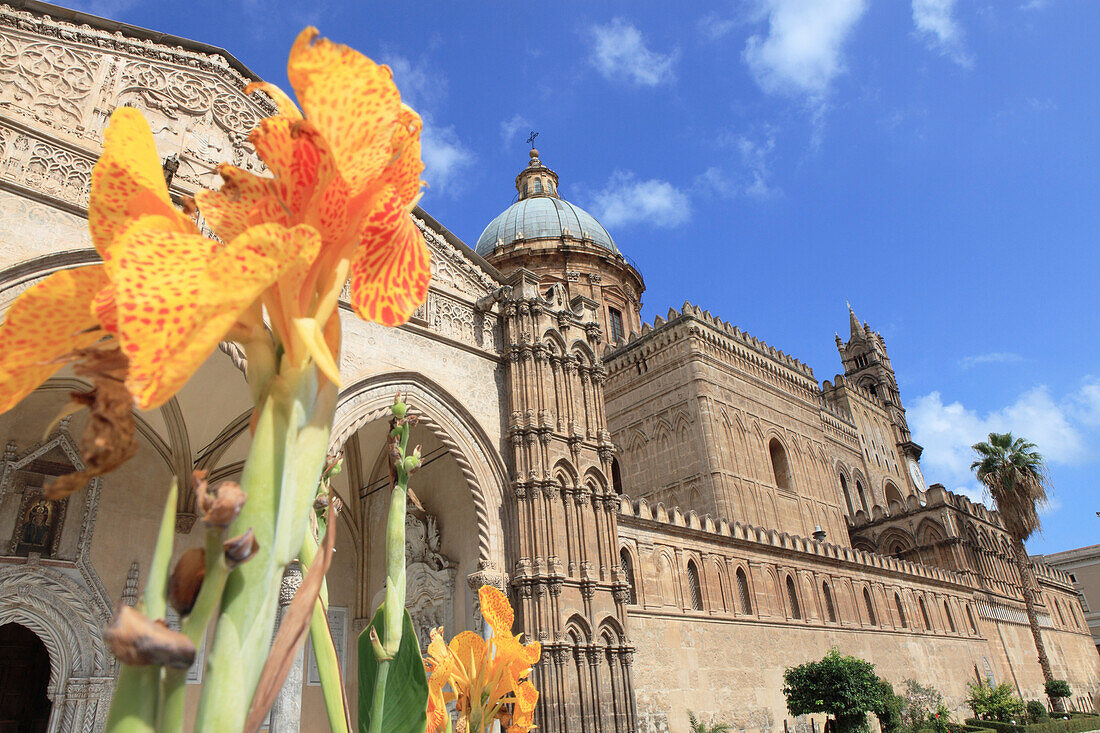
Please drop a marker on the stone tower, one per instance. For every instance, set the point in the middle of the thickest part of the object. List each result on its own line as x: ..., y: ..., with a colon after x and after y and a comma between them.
x: 568, y: 287
x: 562, y: 243
x: 867, y: 365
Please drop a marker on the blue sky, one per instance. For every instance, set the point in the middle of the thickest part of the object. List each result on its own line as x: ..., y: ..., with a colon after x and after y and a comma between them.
x: 933, y: 162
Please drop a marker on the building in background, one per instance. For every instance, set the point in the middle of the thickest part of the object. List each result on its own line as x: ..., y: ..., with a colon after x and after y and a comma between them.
x: 1083, y: 567
x: 678, y: 509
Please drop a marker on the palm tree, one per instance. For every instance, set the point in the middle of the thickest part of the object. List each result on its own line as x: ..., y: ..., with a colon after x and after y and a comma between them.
x: 1015, y: 475
x: 698, y: 726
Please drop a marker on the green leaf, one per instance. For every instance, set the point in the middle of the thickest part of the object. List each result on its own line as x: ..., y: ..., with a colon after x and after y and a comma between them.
x: 405, y: 709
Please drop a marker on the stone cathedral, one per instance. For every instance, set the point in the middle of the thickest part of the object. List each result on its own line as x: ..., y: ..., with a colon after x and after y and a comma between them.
x: 677, y: 509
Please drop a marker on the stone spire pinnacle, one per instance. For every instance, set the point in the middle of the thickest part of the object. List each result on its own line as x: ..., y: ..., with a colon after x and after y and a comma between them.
x: 853, y: 322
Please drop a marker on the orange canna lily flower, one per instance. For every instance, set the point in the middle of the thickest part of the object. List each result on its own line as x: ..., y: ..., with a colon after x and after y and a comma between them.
x: 488, y: 679
x: 164, y: 297
x: 348, y: 165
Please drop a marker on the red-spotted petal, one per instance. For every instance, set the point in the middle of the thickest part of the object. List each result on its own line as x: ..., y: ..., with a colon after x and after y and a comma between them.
x: 243, y: 201
x: 44, y: 324
x: 128, y: 182
x: 352, y: 101
x: 391, y: 268
x: 178, y: 295
x: 496, y: 610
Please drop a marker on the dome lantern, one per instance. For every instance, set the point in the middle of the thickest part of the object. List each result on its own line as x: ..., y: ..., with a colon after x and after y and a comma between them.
x: 536, y: 179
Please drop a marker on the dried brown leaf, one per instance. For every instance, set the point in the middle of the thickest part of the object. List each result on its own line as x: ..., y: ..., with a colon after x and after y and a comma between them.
x: 138, y: 641
x: 108, y: 440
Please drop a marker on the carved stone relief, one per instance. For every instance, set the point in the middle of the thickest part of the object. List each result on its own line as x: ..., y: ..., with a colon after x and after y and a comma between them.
x: 430, y: 577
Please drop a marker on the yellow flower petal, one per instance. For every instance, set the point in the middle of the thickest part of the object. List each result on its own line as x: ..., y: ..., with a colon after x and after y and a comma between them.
x: 351, y: 100
x: 45, y: 323
x: 178, y: 296
x: 403, y: 173
x: 243, y: 201
x: 283, y: 102
x: 523, y: 710
x: 311, y: 335
x: 128, y: 182
x: 391, y: 268
x: 496, y: 610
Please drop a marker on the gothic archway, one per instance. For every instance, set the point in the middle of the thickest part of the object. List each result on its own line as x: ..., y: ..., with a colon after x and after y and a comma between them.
x: 24, y: 679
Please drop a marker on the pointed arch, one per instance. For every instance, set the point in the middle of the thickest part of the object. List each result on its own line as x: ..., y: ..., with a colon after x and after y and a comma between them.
x: 950, y: 618
x: 830, y: 606
x: 743, y: 592
x: 781, y: 466
x: 924, y: 614
x: 626, y: 563
x: 901, y: 611
x: 694, y: 587
x: 793, y: 606
x: 870, y: 606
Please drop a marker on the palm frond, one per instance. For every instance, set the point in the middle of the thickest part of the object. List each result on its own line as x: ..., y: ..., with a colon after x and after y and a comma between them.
x: 1015, y: 474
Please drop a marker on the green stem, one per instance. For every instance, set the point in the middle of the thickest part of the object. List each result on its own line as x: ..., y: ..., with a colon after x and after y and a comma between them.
x: 394, y: 604
x: 137, y: 695
x: 324, y: 650
x: 280, y: 477
x: 194, y: 628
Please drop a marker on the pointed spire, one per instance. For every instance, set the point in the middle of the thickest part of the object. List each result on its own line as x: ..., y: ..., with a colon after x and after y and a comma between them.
x: 853, y: 322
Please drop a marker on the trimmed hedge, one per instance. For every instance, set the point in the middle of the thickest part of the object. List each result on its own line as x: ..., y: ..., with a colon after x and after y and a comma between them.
x: 1076, y: 724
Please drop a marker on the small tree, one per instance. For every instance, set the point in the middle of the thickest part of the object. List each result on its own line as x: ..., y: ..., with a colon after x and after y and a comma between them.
x: 1056, y: 690
x: 845, y: 687
x: 995, y: 703
x: 1036, y: 711
x: 889, y: 708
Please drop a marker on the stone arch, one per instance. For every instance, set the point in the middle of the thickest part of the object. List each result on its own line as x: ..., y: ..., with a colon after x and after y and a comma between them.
x: 894, y: 500
x: 950, y: 617
x: 869, y: 606
x: 565, y: 473
x: 900, y: 607
x: 744, y: 591
x: 695, y: 585
x: 930, y: 532
x: 782, y: 472
x: 895, y: 541
x: 830, y: 603
x: 69, y: 620
x: 584, y: 351
x: 794, y: 608
x: 595, y: 479
x: 666, y: 580
x: 445, y: 417
x: 627, y: 566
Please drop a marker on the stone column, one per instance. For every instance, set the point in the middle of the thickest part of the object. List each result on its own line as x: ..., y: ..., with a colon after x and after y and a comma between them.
x: 286, y: 712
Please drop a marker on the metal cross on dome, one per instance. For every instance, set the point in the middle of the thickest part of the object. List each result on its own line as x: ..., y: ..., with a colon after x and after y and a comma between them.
x: 531, y: 140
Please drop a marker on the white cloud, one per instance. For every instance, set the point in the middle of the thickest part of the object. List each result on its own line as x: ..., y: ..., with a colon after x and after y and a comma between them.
x: 936, y: 24
x: 1035, y: 5
x: 994, y: 357
x: 619, y: 53
x: 508, y: 128
x: 1058, y: 427
x: 626, y: 200
x: 803, y: 51
x: 754, y: 177
x: 445, y: 156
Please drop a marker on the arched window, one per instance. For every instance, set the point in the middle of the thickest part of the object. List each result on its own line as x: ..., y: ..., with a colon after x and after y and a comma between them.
x: 1058, y: 607
x: 970, y: 618
x: 743, y: 591
x: 924, y: 614
x: 950, y: 618
x: 693, y: 583
x: 616, y: 476
x: 538, y: 186
x: 780, y: 468
x: 628, y: 571
x: 862, y: 497
x: 870, y: 608
x: 792, y: 598
x: 892, y: 494
x: 901, y: 612
x: 830, y: 609
x: 847, y: 495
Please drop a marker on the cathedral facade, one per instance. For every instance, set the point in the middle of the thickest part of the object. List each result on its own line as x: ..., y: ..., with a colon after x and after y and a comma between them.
x: 677, y: 509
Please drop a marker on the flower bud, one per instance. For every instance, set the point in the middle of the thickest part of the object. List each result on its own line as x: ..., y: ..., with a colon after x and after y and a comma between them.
x: 240, y: 548
x: 221, y: 505
x: 186, y: 580
x: 138, y: 641
x: 399, y: 408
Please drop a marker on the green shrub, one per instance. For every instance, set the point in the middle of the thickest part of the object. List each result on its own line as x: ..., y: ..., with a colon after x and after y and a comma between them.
x: 1036, y: 711
x: 925, y: 709
x: 845, y: 687
x: 995, y: 703
x: 1073, y: 725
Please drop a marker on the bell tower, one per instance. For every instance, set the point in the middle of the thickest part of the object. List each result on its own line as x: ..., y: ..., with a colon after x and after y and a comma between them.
x: 867, y: 364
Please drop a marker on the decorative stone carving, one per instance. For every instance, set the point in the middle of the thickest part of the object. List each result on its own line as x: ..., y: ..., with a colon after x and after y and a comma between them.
x: 429, y: 577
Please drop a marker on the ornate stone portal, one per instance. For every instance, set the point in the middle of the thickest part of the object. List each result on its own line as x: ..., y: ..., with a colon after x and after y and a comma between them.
x: 429, y: 577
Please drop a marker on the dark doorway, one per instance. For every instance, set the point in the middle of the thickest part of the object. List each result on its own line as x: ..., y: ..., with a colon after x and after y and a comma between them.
x: 24, y: 678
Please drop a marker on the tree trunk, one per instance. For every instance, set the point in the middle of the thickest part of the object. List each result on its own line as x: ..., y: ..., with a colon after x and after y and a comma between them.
x: 1027, y: 580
